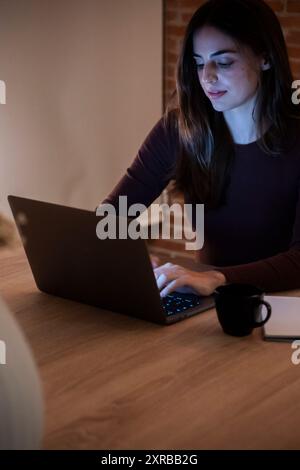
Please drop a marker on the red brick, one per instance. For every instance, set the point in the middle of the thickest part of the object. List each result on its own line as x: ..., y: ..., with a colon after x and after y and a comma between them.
x: 185, y: 17
x: 276, y: 5
x: 170, y: 72
x: 168, y: 95
x: 295, y: 70
x: 290, y: 21
x: 171, y: 45
x: 192, y: 4
x: 293, y: 6
x: 171, y: 16
x: 171, y: 58
x: 170, y: 84
x: 294, y: 52
x: 173, y: 30
x: 293, y: 37
x: 170, y: 5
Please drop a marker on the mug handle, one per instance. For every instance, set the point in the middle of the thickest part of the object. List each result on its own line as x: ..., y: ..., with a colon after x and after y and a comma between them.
x: 269, y: 311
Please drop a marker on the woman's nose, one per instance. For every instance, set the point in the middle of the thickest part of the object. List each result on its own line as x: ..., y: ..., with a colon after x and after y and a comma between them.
x: 209, y: 74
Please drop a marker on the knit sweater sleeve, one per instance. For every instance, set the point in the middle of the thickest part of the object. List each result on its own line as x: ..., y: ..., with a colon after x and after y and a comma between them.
x: 150, y: 171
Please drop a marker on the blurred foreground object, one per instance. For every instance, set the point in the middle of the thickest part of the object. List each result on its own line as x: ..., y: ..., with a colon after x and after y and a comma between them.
x: 21, y: 404
x: 8, y: 233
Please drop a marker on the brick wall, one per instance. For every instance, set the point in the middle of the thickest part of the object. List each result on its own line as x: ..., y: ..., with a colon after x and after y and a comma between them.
x: 178, y: 12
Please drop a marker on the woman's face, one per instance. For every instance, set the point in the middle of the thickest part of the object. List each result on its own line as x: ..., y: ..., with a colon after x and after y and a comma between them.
x: 235, y: 72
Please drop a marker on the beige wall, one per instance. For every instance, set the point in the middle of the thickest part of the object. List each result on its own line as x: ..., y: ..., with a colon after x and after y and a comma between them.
x: 83, y: 88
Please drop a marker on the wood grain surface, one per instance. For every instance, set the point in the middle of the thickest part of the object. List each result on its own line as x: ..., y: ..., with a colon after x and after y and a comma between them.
x: 115, y: 382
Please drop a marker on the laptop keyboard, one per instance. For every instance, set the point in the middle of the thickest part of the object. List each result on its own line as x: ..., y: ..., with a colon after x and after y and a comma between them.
x: 176, y: 302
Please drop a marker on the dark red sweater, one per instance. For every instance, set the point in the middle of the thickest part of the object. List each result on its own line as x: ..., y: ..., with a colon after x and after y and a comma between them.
x: 255, y: 236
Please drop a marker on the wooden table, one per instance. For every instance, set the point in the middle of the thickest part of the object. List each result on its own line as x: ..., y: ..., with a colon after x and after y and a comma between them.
x: 114, y: 382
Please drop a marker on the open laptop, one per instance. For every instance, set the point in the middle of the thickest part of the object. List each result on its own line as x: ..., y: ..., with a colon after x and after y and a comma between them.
x: 67, y: 259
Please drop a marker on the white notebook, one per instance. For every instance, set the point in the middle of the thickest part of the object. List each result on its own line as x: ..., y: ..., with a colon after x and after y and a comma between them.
x: 284, y: 324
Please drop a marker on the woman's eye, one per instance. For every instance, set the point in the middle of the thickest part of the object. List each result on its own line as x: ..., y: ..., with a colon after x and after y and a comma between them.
x: 225, y: 65
x: 200, y: 66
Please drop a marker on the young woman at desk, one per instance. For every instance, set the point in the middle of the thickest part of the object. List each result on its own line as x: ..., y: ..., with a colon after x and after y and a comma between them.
x: 232, y: 142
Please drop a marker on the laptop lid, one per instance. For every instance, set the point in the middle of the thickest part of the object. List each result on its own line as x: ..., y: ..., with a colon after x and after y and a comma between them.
x: 67, y: 259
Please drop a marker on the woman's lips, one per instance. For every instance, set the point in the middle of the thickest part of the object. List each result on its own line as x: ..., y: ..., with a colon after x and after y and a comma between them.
x: 216, y: 95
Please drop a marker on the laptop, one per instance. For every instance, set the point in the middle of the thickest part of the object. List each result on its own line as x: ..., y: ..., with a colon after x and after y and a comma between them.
x: 68, y: 260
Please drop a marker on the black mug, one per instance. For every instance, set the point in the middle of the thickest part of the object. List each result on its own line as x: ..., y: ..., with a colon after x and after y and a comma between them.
x: 239, y: 308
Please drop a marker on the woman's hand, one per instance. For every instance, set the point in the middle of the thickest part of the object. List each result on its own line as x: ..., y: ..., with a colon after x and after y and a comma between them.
x: 171, y: 277
x: 155, y: 261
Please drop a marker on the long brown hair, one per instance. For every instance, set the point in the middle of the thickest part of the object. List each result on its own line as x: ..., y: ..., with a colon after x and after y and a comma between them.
x: 206, y: 147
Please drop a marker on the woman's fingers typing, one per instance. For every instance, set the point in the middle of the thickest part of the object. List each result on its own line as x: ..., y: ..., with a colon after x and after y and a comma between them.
x: 170, y: 277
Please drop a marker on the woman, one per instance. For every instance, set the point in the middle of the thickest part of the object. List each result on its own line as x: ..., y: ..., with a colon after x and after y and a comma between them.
x: 231, y: 141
